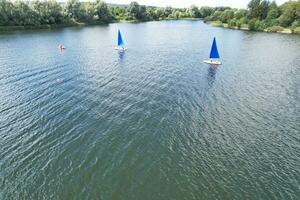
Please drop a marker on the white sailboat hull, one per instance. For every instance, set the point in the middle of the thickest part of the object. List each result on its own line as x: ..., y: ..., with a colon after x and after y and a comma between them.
x: 213, y: 62
x: 120, y: 48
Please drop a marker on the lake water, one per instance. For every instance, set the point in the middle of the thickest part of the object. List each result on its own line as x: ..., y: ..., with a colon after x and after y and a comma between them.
x: 152, y: 123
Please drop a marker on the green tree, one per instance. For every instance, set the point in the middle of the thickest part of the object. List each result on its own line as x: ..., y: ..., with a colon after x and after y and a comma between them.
x: 256, y: 25
x: 168, y: 11
x: 194, y: 12
x: 258, y: 9
x: 142, y: 14
x: 297, y: 10
x: 49, y: 12
x: 253, y: 7
x: 240, y: 14
x: 288, y: 15
x: 177, y: 14
x: 75, y: 10
x: 119, y: 13
x: 273, y: 14
x: 286, y: 19
x: 252, y: 25
x: 24, y: 14
x: 138, y: 12
x: 205, y: 11
x: 6, y: 13
x: 134, y: 9
x: 54, y: 12
x: 260, y: 13
x: 89, y: 10
x: 216, y: 16
x: 227, y: 15
x: 160, y: 13
x: 264, y: 9
x: 232, y: 23
x: 239, y: 23
x: 101, y: 10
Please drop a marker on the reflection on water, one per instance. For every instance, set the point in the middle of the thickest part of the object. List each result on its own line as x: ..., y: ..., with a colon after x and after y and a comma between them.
x: 211, y: 75
x: 121, y: 54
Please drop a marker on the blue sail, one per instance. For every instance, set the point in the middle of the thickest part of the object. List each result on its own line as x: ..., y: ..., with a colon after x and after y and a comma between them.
x: 214, y: 50
x: 120, y: 40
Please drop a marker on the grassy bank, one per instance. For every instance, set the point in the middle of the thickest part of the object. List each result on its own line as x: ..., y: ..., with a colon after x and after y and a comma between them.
x: 47, y: 26
x: 272, y: 29
x: 17, y: 28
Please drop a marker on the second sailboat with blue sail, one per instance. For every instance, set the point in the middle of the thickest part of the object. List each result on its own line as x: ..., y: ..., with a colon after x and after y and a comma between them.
x: 214, y: 57
x: 121, y: 46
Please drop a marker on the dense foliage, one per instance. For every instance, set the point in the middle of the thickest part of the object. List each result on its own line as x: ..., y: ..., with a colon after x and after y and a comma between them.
x: 260, y: 15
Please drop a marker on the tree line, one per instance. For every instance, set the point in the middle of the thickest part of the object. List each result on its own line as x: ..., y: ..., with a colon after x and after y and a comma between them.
x: 259, y: 15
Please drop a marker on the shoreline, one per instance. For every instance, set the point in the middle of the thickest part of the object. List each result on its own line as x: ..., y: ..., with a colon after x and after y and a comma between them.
x: 244, y: 27
x: 5, y: 29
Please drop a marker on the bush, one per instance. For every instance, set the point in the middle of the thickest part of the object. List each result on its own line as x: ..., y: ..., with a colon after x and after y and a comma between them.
x: 217, y: 23
x: 232, y: 23
x: 256, y: 25
x: 243, y: 20
x: 275, y: 29
x: 252, y: 25
x: 286, y: 19
x: 260, y: 25
x: 296, y: 23
x: 297, y: 30
x: 238, y: 24
x: 272, y: 22
x: 207, y: 19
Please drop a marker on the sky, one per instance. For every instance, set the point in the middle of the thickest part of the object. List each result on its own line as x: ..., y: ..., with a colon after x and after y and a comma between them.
x: 187, y: 3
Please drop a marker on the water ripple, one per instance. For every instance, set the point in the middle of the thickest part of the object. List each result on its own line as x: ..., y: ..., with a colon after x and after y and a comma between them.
x: 154, y: 122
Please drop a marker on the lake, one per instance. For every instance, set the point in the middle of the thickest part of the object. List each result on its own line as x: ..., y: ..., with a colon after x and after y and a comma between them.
x: 154, y: 122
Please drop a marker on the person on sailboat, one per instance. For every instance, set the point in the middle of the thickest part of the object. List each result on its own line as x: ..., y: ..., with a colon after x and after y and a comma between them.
x: 61, y: 47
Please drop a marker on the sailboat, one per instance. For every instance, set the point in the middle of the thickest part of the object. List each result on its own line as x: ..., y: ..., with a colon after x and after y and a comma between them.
x: 214, y: 55
x: 120, y: 46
